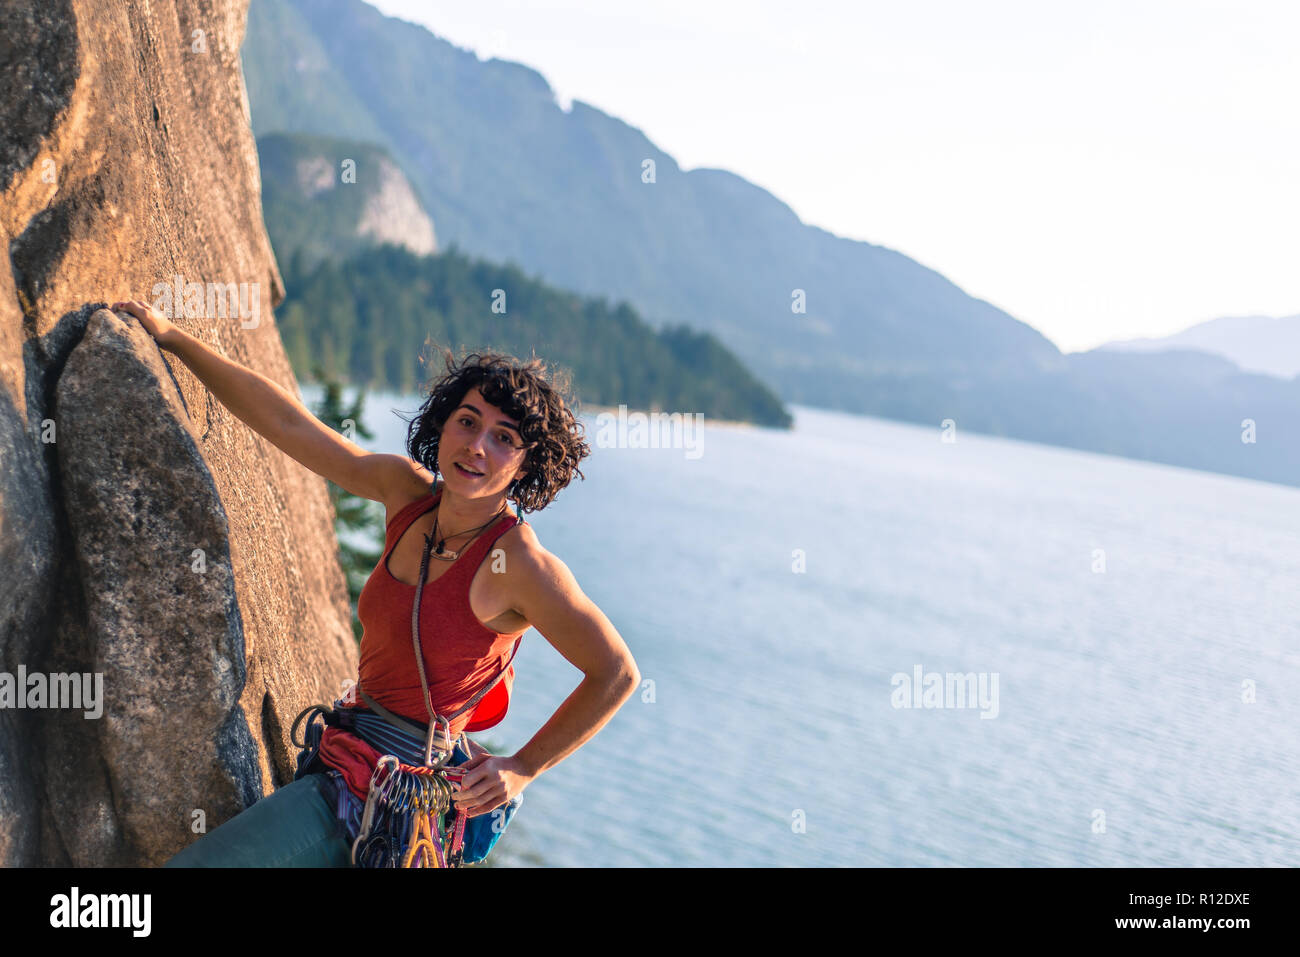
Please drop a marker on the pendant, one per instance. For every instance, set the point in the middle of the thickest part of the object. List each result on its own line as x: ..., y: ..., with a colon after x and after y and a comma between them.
x: 439, y: 549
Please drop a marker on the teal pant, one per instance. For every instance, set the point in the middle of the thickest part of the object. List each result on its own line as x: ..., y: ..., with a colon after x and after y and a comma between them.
x: 292, y: 827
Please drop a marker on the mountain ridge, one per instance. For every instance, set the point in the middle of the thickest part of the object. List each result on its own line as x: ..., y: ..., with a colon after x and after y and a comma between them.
x: 508, y: 175
x: 1257, y: 343
x: 824, y: 320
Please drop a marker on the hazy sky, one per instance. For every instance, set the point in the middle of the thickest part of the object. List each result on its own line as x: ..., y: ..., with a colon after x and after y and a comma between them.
x: 1100, y: 171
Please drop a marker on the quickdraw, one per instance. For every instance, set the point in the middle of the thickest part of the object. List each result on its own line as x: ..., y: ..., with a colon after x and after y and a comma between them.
x: 403, y: 824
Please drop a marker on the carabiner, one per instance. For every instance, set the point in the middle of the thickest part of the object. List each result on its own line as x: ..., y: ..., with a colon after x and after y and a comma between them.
x: 373, y: 797
x: 428, y: 743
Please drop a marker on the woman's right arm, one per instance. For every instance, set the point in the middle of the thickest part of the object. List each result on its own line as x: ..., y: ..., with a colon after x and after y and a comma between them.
x: 278, y: 416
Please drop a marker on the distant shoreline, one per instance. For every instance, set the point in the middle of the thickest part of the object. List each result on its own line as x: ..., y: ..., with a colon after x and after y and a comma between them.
x: 595, y: 409
x: 583, y: 408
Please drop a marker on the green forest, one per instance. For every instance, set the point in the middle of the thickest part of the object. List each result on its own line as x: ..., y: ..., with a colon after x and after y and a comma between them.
x: 367, y: 320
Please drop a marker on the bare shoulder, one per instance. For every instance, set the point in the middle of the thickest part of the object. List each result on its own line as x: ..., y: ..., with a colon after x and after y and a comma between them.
x: 405, y: 481
x: 542, y: 591
x: 523, y: 548
x: 530, y: 566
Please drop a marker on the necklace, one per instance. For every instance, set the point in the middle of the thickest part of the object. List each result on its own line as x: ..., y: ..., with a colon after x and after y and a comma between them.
x: 447, y: 556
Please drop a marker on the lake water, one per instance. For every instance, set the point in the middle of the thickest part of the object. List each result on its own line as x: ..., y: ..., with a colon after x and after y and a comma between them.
x: 1141, y: 621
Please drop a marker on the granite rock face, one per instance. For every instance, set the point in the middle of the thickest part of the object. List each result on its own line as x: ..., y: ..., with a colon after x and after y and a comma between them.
x: 146, y: 534
x: 394, y: 214
x: 330, y: 198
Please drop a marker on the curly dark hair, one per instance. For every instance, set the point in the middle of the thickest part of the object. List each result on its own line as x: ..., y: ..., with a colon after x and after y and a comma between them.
x: 522, y: 390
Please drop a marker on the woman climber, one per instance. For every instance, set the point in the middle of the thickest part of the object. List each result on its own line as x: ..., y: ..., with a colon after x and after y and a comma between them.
x: 494, y: 428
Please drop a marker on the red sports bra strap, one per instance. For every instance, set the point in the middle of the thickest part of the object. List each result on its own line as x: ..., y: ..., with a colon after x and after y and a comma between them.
x: 501, y: 674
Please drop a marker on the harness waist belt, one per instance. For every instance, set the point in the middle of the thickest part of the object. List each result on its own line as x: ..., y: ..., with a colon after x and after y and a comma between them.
x: 410, y: 728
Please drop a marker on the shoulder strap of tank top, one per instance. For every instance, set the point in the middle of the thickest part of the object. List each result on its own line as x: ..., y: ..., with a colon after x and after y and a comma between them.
x: 434, y: 719
x: 482, y: 545
x: 417, y: 508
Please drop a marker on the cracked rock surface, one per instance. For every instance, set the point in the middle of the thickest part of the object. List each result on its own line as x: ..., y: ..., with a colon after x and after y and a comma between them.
x: 146, y: 534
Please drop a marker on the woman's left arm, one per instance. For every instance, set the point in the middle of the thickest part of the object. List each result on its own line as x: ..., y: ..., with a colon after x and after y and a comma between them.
x: 548, y: 597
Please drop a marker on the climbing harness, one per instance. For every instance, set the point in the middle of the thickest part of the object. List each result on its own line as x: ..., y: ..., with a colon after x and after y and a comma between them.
x: 408, y: 818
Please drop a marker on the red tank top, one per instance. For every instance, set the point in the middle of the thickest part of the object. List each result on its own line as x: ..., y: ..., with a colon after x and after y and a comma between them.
x: 461, y: 655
